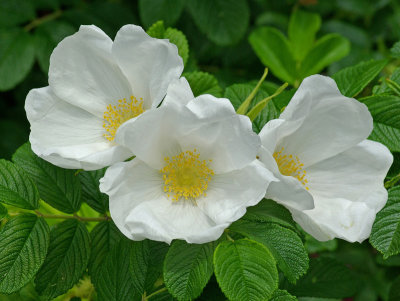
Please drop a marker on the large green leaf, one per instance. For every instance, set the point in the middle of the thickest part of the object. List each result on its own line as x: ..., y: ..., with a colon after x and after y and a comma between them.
x: 284, y: 244
x: 223, y: 21
x: 326, y: 278
x: 146, y: 263
x: 328, y: 49
x: 17, y: 55
x: 167, y: 10
x: 385, y: 235
x: 385, y: 110
x: 91, y: 192
x: 66, y: 261
x: 384, y: 86
x: 24, y: 241
x: 58, y: 187
x: 15, y: 12
x: 16, y: 188
x: 352, y: 80
x: 282, y: 295
x: 245, y: 270
x: 115, y: 282
x: 302, y: 29
x: 273, y: 49
x: 187, y: 268
x: 203, y: 83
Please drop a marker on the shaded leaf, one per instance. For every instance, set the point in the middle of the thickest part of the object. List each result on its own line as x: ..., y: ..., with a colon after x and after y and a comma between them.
x: 91, y: 192
x: 203, y: 83
x: 154, y: 10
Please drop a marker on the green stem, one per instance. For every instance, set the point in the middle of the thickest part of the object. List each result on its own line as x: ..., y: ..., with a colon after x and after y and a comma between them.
x: 44, y: 19
x: 155, y: 293
x: 229, y: 237
x: 390, y: 183
x: 74, y: 216
x: 245, y: 105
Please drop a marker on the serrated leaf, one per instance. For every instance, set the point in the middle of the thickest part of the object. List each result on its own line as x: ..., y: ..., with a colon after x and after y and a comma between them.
x: 284, y: 244
x: 103, y: 237
x: 167, y: 10
x: 245, y: 270
x: 273, y: 49
x: 223, y: 21
x: 15, y: 12
x: 187, y: 268
x: 58, y: 187
x: 146, y: 264
x: 157, y: 30
x: 385, y: 88
x: 24, y: 241
x: 16, y: 188
x: 326, y: 278
x: 385, y: 234
x: 116, y: 282
x: 395, y: 50
x: 352, y: 80
x: 302, y: 29
x: 17, y: 55
x: 66, y: 260
x: 328, y: 49
x: 282, y: 295
x: 179, y: 39
x: 385, y: 110
x: 203, y: 83
x: 91, y: 193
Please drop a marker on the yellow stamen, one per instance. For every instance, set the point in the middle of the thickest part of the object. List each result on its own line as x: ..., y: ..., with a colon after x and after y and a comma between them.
x: 186, y: 176
x: 290, y: 165
x: 116, y: 115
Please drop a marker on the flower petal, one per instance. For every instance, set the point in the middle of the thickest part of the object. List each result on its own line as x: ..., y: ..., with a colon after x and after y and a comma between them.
x: 66, y: 135
x: 212, y: 108
x: 149, y: 64
x: 229, y: 194
x: 83, y: 71
x: 179, y: 92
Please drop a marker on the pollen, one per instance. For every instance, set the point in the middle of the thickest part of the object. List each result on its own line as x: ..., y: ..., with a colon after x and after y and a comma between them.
x: 116, y: 115
x: 290, y: 165
x: 186, y: 176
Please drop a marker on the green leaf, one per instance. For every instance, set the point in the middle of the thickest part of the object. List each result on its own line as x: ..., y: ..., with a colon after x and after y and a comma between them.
x: 47, y: 36
x: 385, y: 110
x: 394, y: 292
x: 223, y: 21
x: 58, y: 187
x: 284, y: 244
x: 167, y: 10
x: 385, y: 235
x: 24, y: 241
x: 16, y: 188
x: 3, y: 211
x: 116, y: 282
x: 273, y: 49
x: 315, y: 246
x: 282, y: 295
x: 179, y: 39
x: 203, y: 83
x: 146, y: 263
x: 15, y: 12
x: 103, y: 237
x: 91, y: 193
x: 326, y: 278
x: 352, y: 80
x: 302, y: 29
x: 395, y: 50
x: 385, y: 88
x: 67, y: 259
x: 328, y: 49
x: 17, y: 55
x: 187, y: 268
x: 157, y: 30
x: 245, y: 270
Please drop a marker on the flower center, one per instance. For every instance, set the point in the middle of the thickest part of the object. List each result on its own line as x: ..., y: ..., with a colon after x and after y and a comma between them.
x: 114, y: 116
x: 290, y: 165
x: 186, y: 176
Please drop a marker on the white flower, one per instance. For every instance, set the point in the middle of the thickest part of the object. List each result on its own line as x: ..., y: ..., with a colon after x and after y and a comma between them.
x: 95, y: 85
x: 317, y: 149
x: 194, y: 173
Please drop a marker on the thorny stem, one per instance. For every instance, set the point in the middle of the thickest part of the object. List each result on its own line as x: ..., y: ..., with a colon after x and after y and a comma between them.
x: 74, y: 216
x: 145, y: 298
x: 390, y: 183
x: 44, y: 19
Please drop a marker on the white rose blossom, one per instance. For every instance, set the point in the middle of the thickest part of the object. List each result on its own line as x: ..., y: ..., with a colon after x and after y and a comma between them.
x: 319, y: 152
x: 194, y: 173
x: 95, y: 85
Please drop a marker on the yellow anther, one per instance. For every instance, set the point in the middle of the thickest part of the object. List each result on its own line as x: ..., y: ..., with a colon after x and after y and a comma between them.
x: 186, y: 176
x: 114, y: 116
x: 291, y: 166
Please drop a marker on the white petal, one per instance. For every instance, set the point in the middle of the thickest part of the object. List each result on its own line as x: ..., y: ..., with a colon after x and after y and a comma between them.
x: 83, y: 71
x: 356, y: 175
x: 333, y: 123
x: 149, y: 64
x: 66, y: 135
x: 212, y: 108
x: 179, y: 92
x: 229, y: 194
